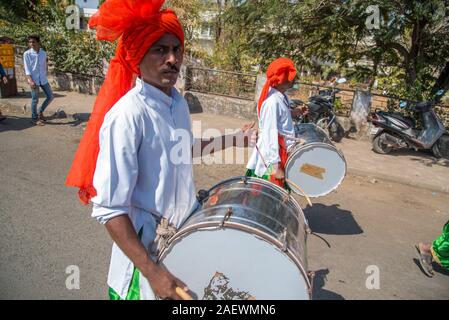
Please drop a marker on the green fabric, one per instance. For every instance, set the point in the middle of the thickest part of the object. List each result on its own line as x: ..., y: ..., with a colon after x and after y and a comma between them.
x: 252, y: 173
x: 133, y: 291
x: 134, y: 286
x: 266, y: 176
x: 441, y: 247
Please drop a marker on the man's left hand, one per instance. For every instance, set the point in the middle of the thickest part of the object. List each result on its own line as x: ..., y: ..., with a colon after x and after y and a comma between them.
x: 250, y: 133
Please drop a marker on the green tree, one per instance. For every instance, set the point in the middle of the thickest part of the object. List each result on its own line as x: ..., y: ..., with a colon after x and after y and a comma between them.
x: 73, y: 51
x: 411, y: 40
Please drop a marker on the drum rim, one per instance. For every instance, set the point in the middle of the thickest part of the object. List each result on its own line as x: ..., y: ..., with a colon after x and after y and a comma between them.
x: 308, y: 146
x: 204, y: 226
x: 266, y: 183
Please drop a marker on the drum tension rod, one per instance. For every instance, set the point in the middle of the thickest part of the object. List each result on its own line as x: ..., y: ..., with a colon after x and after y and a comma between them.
x: 226, y: 217
x: 283, y: 240
x: 311, y: 275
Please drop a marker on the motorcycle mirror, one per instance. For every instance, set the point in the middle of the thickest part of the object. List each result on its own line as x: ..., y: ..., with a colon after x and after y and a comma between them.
x: 341, y: 80
x: 402, y: 104
x: 440, y: 92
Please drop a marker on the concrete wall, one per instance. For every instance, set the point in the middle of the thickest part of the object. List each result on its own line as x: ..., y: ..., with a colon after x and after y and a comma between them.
x: 232, y: 107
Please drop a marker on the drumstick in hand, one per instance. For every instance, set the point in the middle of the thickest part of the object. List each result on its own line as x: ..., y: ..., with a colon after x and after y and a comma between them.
x: 184, y: 295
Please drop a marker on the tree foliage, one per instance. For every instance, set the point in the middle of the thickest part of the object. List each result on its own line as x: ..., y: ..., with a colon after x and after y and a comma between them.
x: 411, y: 41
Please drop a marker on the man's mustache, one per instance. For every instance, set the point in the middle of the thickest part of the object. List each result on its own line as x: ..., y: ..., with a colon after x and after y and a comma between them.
x: 172, y: 68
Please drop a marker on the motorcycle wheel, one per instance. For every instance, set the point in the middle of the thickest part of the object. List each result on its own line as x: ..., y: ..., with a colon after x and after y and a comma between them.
x: 436, y: 151
x: 379, y: 146
x: 336, y: 131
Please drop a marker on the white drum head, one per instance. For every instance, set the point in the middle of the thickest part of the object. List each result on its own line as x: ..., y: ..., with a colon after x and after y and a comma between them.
x: 230, y: 264
x: 317, y: 168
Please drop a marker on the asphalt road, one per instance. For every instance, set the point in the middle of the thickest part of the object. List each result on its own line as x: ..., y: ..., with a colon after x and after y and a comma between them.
x: 44, y: 229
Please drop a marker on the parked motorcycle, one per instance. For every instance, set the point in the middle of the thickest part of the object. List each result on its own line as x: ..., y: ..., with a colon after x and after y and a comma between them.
x: 393, y: 130
x: 321, y: 112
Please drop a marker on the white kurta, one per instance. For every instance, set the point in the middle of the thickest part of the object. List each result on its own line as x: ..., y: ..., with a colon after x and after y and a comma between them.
x: 275, y: 118
x: 144, y: 169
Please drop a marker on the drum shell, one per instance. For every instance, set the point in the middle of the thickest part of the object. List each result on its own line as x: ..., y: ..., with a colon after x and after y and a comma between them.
x: 257, y: 207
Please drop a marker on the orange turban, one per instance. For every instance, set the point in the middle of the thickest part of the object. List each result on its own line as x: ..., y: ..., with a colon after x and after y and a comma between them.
x: 138, y: 24
x: 279, y: 71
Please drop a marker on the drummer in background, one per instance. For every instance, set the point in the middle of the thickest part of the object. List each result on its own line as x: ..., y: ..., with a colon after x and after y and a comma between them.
x: 128, y: 161
x: 276, y: 131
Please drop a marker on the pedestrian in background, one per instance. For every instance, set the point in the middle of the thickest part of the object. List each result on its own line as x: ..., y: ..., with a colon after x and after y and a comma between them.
x: 35, y: 63
x: 5, y: 81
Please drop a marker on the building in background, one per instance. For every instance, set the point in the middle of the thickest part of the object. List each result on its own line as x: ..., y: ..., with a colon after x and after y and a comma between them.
x: 87, y: 10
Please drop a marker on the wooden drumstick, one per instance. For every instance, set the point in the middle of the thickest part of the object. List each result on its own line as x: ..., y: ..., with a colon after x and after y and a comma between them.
x: 297, y: 187
x: 184, y: 295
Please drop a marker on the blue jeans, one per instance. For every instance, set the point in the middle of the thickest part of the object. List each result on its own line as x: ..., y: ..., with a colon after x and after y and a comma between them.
x: 35, y: 99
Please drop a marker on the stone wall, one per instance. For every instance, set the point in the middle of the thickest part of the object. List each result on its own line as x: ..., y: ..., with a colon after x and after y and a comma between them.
x: 222, y: 105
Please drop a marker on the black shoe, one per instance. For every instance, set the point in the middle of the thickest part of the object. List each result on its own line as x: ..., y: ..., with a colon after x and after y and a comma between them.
x: 41, y: 117
x: 37, y: 122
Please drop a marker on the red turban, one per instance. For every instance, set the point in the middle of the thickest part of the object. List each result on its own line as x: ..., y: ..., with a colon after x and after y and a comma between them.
x: 279, y: 71
x: 138, y: 24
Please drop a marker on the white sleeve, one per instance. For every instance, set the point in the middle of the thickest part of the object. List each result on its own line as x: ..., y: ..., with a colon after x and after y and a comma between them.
x: 117, y: 166
x: 269, y: 146
x: 26, y: 64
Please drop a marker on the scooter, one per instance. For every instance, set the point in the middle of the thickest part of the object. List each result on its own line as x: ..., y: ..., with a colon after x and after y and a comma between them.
x: 321, y: 112
x: 393, y: 130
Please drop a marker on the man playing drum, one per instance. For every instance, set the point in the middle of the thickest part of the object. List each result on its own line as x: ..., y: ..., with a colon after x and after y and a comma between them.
x: 276, y: 135
x: 130, y: 163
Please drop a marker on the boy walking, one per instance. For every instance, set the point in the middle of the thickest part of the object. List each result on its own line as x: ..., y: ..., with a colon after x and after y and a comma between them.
x: 35, y: 63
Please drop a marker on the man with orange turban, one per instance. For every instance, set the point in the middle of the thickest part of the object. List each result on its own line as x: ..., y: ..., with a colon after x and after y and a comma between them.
x: 276, y: 134
x: 126, y: 163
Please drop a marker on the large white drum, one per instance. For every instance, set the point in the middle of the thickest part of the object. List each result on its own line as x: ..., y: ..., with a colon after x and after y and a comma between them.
x: 247, y: 241
x: 316, y: 166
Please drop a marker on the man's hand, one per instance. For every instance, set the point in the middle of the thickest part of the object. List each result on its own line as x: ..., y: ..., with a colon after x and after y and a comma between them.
x: 32, y: 84
x: 5, y: 80
x: 278, y: 173
x: 164, y: 284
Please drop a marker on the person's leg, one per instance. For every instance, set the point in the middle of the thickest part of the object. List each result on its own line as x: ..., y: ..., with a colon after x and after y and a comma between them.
x: 425, y: 258
x: 49, y: 94
x: 34, y: 102
x: 440, y: 248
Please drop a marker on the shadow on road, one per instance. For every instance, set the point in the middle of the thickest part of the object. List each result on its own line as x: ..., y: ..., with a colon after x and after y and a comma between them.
x: 14, y: 123
x: 319, y: 293
x: 436, y: 267
x: 331, y: 220
x: 27, y: 94
x: 424, y: 157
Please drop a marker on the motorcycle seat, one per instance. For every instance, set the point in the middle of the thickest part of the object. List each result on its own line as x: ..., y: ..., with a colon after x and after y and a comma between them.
x: 399, y: 116
x: 320, y: 99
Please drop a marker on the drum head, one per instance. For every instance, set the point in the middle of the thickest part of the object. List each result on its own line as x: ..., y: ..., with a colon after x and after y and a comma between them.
x: 230, y: 264
x: 317, y: 168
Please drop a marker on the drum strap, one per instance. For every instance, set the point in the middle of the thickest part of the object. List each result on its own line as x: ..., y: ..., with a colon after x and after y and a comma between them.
x: 164, y: 232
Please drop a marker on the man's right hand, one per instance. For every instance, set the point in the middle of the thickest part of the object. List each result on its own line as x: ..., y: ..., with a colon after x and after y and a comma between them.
x: 164, y: 284
x: 32, y: 84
